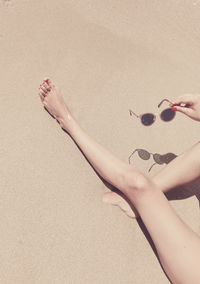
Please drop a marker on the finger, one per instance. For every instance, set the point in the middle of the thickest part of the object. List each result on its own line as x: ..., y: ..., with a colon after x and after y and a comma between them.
x: 184, y: 99
x: 185, y: 110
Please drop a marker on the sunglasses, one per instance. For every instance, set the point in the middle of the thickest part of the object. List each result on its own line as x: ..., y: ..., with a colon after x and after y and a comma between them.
x: 159, y: 159
x: 148, y: 119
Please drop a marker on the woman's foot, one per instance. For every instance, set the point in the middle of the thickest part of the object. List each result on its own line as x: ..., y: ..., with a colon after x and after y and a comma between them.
x: 116, y: 200
x: 54, y: 102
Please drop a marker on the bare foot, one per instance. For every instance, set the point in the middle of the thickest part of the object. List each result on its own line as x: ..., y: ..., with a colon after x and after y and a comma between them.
x: 55, y: 104
x: 116, y: 200
x: 53, y: 101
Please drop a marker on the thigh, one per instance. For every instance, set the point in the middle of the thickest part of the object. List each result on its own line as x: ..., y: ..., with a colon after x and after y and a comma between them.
x: 177, y: 245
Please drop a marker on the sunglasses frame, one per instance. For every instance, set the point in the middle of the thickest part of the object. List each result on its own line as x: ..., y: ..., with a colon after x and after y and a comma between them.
x: 166, y: 161
x: 153, y: 155
x: 154, y: 114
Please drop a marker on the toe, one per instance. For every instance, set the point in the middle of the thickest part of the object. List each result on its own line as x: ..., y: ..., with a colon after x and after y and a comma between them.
x: 43, y: 93
x: 43, y: 89
x: 51, y: 85
x: 41, y: 96
x: 46, y: 80
x: 46, y: 86
x: 114, y: 199
x: 111, y: 197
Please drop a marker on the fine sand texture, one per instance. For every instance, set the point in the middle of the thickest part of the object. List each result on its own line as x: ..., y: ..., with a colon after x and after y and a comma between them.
x: 105, y: 57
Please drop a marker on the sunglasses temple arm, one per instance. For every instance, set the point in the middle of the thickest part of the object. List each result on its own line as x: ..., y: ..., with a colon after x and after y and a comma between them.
x: 152, y: 166
x: 133, y: 113
x: 129, y: 158
x: 163, y: 101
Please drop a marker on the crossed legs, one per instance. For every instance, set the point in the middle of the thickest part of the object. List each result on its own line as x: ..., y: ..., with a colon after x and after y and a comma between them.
x: 177, y: 245
x: 183, y: 169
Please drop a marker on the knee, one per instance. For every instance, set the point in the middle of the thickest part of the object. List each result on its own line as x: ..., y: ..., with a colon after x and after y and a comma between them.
x: 142, y: 183
x: 136, y: 181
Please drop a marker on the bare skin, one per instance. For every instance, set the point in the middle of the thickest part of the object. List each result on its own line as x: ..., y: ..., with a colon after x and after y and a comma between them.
x: 171, y: 236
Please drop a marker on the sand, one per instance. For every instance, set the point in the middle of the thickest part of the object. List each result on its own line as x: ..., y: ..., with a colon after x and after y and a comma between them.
x: 106, y: 57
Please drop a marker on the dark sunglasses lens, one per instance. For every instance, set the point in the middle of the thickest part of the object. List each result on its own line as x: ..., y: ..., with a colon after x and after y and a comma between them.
x: 147, y: 119
x: 167, y: 158
x: 144, y: 154
x: 158, y: 158
x: 167, y: 114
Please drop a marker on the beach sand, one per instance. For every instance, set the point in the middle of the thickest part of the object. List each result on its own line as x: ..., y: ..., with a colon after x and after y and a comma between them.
x: 105, y: 57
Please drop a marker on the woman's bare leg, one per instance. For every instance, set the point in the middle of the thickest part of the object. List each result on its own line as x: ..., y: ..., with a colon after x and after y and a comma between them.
x: 183, y: 169
x: 177, y: 245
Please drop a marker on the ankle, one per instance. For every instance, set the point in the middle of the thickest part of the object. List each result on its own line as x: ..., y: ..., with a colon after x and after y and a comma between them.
x: 66, y: 122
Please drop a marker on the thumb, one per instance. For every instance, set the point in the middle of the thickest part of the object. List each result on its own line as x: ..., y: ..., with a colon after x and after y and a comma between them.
x: 185, y: 110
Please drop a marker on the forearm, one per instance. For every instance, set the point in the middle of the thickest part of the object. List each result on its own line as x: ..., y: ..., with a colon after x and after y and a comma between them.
x: 106, y: 164
x: 183, y: 169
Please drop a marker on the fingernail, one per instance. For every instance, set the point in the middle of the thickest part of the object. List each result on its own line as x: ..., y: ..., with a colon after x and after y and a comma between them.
x: 174, y: 108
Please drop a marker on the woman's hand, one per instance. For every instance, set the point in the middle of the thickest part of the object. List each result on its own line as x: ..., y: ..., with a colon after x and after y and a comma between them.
x: 188, y: 104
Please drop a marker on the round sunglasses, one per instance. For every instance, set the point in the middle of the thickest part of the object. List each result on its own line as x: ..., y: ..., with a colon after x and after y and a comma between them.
x: 159, y: 159
x: 148, y: 119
